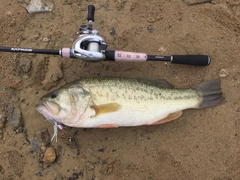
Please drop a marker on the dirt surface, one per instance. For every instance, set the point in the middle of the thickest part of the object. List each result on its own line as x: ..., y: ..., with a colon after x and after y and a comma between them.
x: 201, y: 144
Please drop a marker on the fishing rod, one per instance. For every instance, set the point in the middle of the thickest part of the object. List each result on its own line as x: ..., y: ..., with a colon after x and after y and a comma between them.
x: 91, y: 47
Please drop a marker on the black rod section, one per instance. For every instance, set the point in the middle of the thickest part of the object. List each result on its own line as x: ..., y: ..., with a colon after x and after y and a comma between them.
x: 197, y: 60
x: 158, y: 58
x: 30, y: 50
x: 110, y: 55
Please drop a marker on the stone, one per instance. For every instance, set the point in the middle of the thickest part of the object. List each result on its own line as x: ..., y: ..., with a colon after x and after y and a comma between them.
x: 50, y: 155
x: 39, y: 6
x: 13, y: 81
x: 15, y: 117
x: 90, y: 166
x: 223, y: 73
x: 25, y: 64
x: 2, y: 120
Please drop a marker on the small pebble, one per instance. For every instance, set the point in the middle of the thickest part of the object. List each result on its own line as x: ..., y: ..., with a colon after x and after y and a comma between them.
x: 150, y: 28
x: 90, y: 166
x: 21, y: 1
x: 67, y: 2
x: 36, y: 36
x: 162, y: 50
x: 223, y: 73
x: 49, y: 155
x: 46, y: 39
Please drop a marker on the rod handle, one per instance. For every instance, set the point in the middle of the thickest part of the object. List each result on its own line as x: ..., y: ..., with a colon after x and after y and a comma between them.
x: 91, y: 10
x: 197, y: 60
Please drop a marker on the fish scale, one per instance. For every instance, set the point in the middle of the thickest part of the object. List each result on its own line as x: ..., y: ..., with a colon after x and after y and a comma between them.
x: 133, y: 93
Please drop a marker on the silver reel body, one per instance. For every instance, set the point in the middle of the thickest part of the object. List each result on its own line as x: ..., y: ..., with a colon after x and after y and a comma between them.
x: 89, y: 46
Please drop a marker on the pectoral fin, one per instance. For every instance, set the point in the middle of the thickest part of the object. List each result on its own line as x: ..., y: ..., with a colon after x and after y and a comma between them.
x: 105, y: 108
x: 170, y: 117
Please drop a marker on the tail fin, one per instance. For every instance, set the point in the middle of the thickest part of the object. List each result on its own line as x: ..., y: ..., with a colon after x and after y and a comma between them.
x: 210, y: 92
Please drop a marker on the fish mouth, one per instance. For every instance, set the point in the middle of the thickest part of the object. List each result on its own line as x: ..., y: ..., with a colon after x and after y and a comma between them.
x: 42, y: 109
x: 48, y: 110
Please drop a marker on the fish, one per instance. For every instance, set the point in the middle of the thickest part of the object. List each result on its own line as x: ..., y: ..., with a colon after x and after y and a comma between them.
x: 110, y: 102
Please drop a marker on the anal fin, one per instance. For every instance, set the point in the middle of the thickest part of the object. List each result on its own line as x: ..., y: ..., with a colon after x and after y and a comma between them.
x: 170, y: 117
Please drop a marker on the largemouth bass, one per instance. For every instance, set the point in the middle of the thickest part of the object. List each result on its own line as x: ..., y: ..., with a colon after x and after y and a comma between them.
x: 105, y: 102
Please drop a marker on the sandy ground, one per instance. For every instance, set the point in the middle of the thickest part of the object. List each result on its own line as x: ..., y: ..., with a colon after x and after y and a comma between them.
x: 201, y: 144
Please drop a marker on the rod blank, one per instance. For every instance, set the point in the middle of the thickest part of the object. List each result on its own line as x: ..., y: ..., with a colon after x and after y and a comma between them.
x: 30, y: 50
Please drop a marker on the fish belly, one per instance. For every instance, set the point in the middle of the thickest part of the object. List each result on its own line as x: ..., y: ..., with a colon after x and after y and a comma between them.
x: 134, y: 114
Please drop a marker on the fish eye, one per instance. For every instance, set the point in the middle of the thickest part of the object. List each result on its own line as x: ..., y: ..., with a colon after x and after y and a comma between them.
x: 53, y: 95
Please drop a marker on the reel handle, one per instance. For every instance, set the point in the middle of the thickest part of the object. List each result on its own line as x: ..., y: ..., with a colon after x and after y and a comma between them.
x: 197, y: 60
x: 91, y: 11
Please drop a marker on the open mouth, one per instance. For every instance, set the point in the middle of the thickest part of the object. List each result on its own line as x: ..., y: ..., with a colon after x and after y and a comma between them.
x: 46, y: 112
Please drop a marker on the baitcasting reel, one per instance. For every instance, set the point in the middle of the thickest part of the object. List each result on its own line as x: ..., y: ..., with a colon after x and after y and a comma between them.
x: 89, y: 46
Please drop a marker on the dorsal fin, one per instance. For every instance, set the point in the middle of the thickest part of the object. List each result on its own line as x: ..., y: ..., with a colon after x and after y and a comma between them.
x: 164, y: 83
x: 159, y: 82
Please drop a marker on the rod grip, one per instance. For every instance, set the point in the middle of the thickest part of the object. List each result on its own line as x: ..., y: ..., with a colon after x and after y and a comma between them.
x: 91, y: 10
x: 197, y: 60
